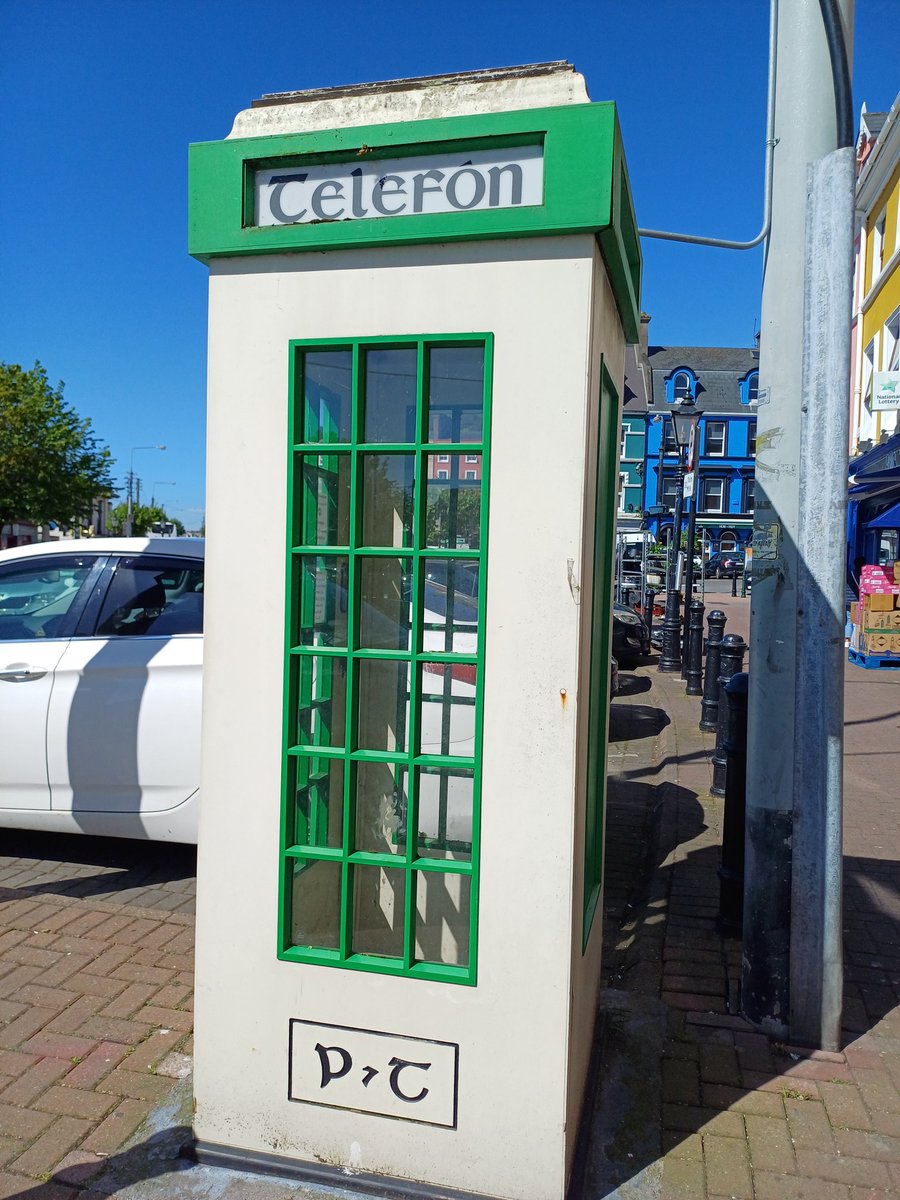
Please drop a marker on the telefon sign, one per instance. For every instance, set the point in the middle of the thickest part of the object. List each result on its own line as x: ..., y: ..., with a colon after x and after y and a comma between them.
x: 465, y: 181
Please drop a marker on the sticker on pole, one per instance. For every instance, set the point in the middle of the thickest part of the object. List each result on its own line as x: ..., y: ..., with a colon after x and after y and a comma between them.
x: 388, y: 1074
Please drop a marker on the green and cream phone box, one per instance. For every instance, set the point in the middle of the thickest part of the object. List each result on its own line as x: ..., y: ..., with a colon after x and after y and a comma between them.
x: 419, y: 298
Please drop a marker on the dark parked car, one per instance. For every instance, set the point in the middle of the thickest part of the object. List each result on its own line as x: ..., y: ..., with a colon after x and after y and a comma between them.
x: 725, y: 565
x: 630, y: 639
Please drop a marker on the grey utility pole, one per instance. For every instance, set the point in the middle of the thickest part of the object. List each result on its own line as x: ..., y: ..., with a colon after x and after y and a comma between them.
x: 791, y: 966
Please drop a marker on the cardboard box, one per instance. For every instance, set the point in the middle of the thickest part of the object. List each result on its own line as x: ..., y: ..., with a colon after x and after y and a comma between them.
x: 854, y: 613
x: 897, y: 571
x: 878, y: 643
x: 895, y: 643
x: 879, y: 602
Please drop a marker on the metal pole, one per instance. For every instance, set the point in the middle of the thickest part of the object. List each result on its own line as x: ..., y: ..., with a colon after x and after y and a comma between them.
x: 689, y: 564
x: 731, y: 662
x: 805, y: 129
x: 670, y: 659
x: 816, y: 978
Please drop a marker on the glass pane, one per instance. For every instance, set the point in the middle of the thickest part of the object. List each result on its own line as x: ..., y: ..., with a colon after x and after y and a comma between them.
x: 390, y: 405
x: 318, y: 801
x: 321, y: 600
x: 385, y: 603
x: 321, y: 700
x: 381, y: 804
x: 445, y: 813
x: 382, y: 704
x: 448, y: 709
x: 442, y: 918
x: 153, y: 597
x: 453, y: 501
x: 451, y: 605
x: 36, y: 595
x: 378, y: 911
x: 387, y: 499
x: 324, y: 516
x: 315, y: 903
x: 327, y: 395
x: 455, y: 394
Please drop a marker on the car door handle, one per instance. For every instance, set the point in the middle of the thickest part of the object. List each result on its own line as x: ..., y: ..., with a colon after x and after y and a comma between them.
x: 21, y: 673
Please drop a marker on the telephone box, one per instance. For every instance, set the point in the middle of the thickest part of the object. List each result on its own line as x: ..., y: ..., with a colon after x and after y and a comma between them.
x: 419, y: 298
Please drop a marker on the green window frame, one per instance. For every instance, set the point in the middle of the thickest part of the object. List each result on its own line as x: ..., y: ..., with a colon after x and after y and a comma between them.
x: 601, y: 633
x: 384, y: 653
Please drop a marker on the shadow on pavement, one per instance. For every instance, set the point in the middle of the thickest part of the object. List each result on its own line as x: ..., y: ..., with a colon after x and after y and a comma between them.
x: 682, y: 1076
x: 119, y: 864
x: 635, y: 721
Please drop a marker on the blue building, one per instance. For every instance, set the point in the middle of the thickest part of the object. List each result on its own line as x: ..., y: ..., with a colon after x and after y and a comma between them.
x: 723, y: 383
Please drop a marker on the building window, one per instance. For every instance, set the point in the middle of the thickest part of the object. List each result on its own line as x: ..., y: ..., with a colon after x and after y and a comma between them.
x: 749, y: 499
x: 751, y: 439
x: 669, y: 491
x: 471, y: 458
x: 868, y: 369
x: 384, y: 661
x: 715, y: 438
x: 623, y: 445
x: 623, y: 484
x: 891, y: 348
x: 749, y: 388
x: 670, y: 444
x: 878, y: 255
x: 682, y: 387
x: 727, y: 542
x: 470, y: 475
x: 712, y: 495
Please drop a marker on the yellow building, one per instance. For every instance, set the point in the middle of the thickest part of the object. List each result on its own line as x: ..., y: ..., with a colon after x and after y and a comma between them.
x: 876, y: 315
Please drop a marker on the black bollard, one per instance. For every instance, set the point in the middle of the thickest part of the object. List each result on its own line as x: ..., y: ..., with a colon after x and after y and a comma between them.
x: 649, y: 597
x: 670, y: 659
x: 709, y: 705
x: 731, y: 660
x: 734, y: 583
x: 731, y: 870
x: 694, y: 674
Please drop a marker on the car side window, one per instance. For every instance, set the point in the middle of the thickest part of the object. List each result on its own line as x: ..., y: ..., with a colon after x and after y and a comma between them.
x: 151, y: 596
x: 36, y: 594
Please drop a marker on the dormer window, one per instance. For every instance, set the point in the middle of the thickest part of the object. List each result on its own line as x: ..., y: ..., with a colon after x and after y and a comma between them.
x: 749, y: 387
x: 681, y: 386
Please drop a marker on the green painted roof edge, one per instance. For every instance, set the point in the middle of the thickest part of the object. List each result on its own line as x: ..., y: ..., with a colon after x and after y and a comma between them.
x: 585, y: 189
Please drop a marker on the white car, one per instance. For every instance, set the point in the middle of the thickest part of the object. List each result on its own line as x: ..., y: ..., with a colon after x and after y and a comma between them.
x: 101, y: 659
x: 101, y: 656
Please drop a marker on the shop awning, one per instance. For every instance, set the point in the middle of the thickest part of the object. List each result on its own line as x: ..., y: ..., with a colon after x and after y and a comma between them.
x: 889, y: 519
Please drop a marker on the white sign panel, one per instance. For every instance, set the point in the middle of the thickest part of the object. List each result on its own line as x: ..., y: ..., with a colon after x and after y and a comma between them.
x: 388, y: 1074
x: 467, y: 181
x: 886, y: 391
x: 690, y: 481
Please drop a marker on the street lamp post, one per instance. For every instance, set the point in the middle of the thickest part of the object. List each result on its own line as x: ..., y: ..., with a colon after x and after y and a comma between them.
x: 693, y: 455
x: 129, y: 516
x: 670, y: 659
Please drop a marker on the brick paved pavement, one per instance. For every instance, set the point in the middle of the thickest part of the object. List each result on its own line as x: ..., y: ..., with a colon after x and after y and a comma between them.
x: 96, y: 985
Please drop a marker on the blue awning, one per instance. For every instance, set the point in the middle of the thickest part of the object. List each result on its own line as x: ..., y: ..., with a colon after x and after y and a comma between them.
x: 889, y: 519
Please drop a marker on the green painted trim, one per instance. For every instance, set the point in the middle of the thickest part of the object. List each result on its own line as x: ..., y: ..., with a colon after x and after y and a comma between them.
x: 585, y: 189
x: 606, y: 484
x: 304, y: 842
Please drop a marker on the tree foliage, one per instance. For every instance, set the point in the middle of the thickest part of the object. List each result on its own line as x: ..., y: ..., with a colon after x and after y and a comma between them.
x: 143, y: 518
x: 52, y: 466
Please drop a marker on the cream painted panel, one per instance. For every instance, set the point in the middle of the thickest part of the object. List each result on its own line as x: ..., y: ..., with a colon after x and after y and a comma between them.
x: 535, y: 297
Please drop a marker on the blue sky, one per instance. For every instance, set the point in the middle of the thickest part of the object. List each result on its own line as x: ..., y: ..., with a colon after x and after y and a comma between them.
x: 100, y: 99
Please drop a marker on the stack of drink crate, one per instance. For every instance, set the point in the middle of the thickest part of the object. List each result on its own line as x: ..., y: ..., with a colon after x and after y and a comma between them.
x: 875, y: 638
